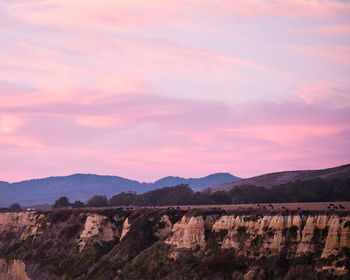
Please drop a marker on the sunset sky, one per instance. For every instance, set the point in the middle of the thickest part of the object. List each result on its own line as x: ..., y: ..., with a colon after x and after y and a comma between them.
x: 149, y: 88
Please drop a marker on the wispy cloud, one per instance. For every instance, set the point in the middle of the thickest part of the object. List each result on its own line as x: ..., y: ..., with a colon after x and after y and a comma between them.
x: 151, y: 88
x: 195, y: 135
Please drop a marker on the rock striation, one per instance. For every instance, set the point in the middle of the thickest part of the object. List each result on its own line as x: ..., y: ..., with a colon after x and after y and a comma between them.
x: 188, y: 233
x: 274, y: 232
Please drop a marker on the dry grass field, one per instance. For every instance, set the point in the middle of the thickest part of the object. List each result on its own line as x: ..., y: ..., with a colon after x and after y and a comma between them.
x: 338, y: 206
x: 308, y: 206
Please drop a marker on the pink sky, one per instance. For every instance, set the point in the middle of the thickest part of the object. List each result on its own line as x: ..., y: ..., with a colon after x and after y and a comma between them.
x: 146, y: 89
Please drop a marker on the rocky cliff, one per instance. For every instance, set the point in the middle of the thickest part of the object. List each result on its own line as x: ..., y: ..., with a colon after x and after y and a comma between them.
x: 174, y: 244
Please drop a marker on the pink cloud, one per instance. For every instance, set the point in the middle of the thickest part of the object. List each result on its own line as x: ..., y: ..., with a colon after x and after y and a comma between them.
x: 329, y: 30
x: 115, y: 46
x: 150, y: 88
x: 145, y: 137
x: 324, y: 92
x: 311, y: 92
x: 9, y: 123
x: 340, y: 54
x: 288, y: 133
x: 109, y: 13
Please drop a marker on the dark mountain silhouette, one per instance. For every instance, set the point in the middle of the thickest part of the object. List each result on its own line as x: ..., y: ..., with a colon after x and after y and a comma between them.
x: 84, y: 186
x: 196, y: 183
x: 278, y: 178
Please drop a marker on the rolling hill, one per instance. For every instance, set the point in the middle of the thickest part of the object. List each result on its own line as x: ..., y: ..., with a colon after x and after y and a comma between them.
x: 84, y: 186
x: 273, y: 179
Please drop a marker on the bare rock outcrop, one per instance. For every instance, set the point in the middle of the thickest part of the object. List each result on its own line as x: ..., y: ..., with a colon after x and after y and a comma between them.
x: 126, y: 228
x: 13, y: 270
x: 258, y: 237
x: 17, y: 220
x: 274, y: 231
x: 97, y: 227
x: 188, y: 233
x: 338, y: 235
x: 24, y: 223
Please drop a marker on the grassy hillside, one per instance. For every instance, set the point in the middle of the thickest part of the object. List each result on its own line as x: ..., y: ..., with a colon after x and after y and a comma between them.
x: 273, y: 179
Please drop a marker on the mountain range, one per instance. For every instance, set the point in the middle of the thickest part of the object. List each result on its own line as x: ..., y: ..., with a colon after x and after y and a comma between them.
x: 84, y: 186
x: 274, y: 179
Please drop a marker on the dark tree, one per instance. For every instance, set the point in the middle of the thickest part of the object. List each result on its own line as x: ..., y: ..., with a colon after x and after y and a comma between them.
x: 62, y: 202
x: 249, y: 194
x: 77, y: 204
x: 177, y: 195
x: 180, y: 194
x: 124, y: 199
x: 97, y: 201
x: 221, y: 197
x: 299, y: 191
x: 15, y: 207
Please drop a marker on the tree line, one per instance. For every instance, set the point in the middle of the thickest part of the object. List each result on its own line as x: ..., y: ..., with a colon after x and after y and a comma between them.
x: 315, y: 190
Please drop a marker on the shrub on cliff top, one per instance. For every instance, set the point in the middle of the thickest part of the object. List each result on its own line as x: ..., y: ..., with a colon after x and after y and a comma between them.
x: 62, y: 202
x: 77, y: 204
x: 97, y: 201
x: 15, y: 207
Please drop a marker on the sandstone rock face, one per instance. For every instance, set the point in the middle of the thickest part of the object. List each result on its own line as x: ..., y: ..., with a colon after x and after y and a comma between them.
x: 15, y: 221
x: 312, y: 223
x: 97, y: 227
x: 254, y: 236
x: 25, y: 221
x: 126, y: 227
x: 188, y: 233
x: 338, y: 235
x: 14, y: 270
x: 241, y: 232
x: 269, y: 232
x: 275, y: 231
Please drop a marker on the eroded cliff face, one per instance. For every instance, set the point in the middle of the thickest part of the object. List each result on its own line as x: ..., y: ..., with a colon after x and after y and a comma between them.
x: 83, y: 244
x: 23, y: 223
x: 269, y: 234
x: 266, y: 235
x: 126, y: 227
x: 13, y: 270
x: 97, y: 228
x: 188, y: 233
